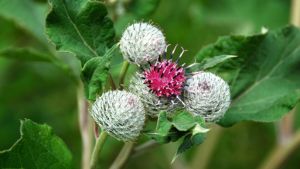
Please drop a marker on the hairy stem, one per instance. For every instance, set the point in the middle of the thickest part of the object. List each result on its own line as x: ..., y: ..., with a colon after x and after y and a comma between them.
x: 84, y: 126
x: 97, y: 149
x: 281, y: 153
x: 123, y: 156
x: 123, y: 74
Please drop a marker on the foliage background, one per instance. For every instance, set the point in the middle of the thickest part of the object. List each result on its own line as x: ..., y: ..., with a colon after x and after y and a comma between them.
x: 46, y: 94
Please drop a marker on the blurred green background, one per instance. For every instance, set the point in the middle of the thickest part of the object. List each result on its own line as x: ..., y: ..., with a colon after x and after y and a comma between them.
x: 45, y: 93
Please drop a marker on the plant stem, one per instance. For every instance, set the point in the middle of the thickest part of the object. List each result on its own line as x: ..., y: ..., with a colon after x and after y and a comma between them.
x: 84, y: 125
x: 203, y: 154
x: 111, y: 82
x: 285, y: 129
x: 123, y: 74
x: 281, y: 153
x: 295, y: 12
x: 137, y: 151
x: 97, y: 149
x: 123, y: 156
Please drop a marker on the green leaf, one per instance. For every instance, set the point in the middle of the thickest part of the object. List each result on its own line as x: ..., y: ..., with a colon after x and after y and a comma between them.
x: 184, y: 121
x: 207, y: 63
x: 264, y: 78
x: 26, y: 54
x: 95, y: 72
x: 81, y: 27
x: 163, y: 129
x: 192, y: 139
x: 38, y: 147
x: 28, y: 14
x: 69, y: 65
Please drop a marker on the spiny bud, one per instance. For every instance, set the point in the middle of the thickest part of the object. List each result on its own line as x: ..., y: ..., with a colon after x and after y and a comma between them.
x: 142, y: 43
x: 207, y: 95
x: 153, y: 104
x: 119, y: 113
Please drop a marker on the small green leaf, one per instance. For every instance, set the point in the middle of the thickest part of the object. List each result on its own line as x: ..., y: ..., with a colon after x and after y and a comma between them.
x: 95, y: 73
x: 264, y: 78
x: 183, y: 121
x: 38, y: 147
x: 207, y: 63
x: 162, y: 131
x: 196, y: 137
x: 81, y: 27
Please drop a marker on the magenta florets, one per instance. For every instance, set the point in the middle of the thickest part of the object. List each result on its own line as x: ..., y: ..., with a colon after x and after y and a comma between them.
x: 165, y: 78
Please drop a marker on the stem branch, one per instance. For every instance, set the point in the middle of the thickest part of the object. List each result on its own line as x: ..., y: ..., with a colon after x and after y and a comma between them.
x: 139, y: 150
x: 97, y: 149
x: 123, y: 73
x: 204, y: 152
x: 123, y: 156
x: 84, y: 126
x: 281, y: 153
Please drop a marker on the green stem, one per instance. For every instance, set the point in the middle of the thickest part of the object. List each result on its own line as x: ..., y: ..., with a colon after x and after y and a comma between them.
x: 112, y: 83
x: 139, y: 150
x: 97, y: 149
x: 123, y: 156
x: 204, y: 152
x: 281, y: 153
x: 123, y: 73
x: 84, y: 126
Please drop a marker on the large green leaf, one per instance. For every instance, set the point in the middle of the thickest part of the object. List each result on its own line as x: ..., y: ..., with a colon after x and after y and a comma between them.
x: 27, y: 14
x: 264, y: 78
x: 37, y: 148
x: 24, y: 43
x: 26, y: 54
x: 81, y: 27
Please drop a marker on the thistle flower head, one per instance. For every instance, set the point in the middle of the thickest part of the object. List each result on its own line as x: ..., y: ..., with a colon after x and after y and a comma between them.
x: 165, y: 78
x: 142, y: 43
x: 119, y: 113
x: 153, y: 104
x: 207, y: 95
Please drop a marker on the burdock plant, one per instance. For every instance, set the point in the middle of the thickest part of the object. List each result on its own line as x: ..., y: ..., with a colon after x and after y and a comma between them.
x: 161, y: 93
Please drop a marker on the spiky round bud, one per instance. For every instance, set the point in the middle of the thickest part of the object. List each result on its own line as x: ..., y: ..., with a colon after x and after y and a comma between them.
x: 153, y: 104
x: 142, y: 43
x: 119, y: 113
x: 207, y: 95
x: 165, y: 78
